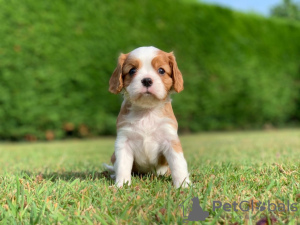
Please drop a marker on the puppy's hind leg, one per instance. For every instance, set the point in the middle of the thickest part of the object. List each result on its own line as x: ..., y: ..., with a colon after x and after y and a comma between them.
x: 162, y: 166
x: 163, y: 170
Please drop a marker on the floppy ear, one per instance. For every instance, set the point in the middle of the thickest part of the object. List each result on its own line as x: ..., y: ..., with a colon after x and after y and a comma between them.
x: 176, y: 74
x: 116, y: 79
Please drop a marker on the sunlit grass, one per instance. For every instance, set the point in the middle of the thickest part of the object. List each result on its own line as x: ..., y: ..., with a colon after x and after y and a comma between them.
x: 61, y: 182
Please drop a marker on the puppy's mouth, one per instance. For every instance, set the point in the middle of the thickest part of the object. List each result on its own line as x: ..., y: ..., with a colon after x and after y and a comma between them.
x: 147, y: 93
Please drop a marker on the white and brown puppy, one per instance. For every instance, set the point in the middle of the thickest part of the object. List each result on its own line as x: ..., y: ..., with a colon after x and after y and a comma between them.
x: 147, y: 139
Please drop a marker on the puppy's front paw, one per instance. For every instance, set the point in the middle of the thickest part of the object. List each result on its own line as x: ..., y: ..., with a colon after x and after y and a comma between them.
x: 122, y: 181
x: 182, y: 183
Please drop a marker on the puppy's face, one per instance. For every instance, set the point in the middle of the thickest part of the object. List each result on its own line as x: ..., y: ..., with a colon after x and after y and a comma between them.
x: 146, y: 75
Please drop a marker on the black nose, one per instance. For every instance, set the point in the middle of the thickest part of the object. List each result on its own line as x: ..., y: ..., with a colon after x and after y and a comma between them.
x: 147, y: 82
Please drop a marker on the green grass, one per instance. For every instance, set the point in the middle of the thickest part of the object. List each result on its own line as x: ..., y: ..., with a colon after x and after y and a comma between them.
x: 61, y: 182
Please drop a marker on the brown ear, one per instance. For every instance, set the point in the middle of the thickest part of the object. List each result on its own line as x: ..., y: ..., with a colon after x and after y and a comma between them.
x: 116, y: 79
x: 176, y: 74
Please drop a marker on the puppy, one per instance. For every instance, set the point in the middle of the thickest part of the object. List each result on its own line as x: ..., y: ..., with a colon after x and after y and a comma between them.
x: 147, y: 139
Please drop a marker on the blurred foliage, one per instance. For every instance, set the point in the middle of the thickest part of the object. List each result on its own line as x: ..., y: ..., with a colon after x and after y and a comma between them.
x: 56, y: 57
x: 287, y: 9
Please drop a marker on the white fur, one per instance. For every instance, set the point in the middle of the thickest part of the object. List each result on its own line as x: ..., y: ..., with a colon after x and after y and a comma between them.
x: 146, y: 134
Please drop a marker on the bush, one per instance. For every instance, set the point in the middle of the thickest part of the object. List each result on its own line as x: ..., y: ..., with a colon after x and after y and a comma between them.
x: 56, y: 57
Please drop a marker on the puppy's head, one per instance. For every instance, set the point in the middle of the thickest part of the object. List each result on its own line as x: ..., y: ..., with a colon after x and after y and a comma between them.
x: 147, y: 75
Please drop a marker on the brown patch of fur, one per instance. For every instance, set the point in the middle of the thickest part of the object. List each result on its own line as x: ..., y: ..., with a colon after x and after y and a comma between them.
x: 162, y: 61
x: 168, y: 62
x: 116, y: 80
x: 130, y: 63
x: 168, y: 112
x: 176, y: 74
x: 162, y: 160
x: 176, y: 145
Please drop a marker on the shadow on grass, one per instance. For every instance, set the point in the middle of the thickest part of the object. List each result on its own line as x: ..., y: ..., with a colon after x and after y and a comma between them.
x: 73, y: 175
x: 89, y: 175
x: 70, y: 175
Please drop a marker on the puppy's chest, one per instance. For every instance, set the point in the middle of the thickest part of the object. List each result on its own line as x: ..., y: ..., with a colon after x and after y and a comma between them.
x: 149, y: 126
x: 148, y: 135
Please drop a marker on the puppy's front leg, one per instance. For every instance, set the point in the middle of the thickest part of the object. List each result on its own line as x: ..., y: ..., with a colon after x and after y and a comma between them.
x: 123, y: 163
x: 178, y: 165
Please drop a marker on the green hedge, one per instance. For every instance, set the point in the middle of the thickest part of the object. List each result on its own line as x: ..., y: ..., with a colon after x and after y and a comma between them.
x: 56, y: 57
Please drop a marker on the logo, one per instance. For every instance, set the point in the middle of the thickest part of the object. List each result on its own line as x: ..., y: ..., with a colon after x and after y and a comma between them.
x: 246, y: 206
x: 194, y: 212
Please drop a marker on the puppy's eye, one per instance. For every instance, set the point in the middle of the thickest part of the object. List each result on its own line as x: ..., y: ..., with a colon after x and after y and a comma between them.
x: 132, y: 71
x: 161, y: 71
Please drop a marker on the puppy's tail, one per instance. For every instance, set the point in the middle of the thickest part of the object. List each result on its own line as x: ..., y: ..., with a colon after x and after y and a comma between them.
x: 108, y: 167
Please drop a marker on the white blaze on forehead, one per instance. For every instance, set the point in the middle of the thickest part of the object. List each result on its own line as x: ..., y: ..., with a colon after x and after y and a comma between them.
x: 145, y: 55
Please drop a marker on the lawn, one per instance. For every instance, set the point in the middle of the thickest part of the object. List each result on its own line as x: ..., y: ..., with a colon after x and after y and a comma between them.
x: 62, y: 182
